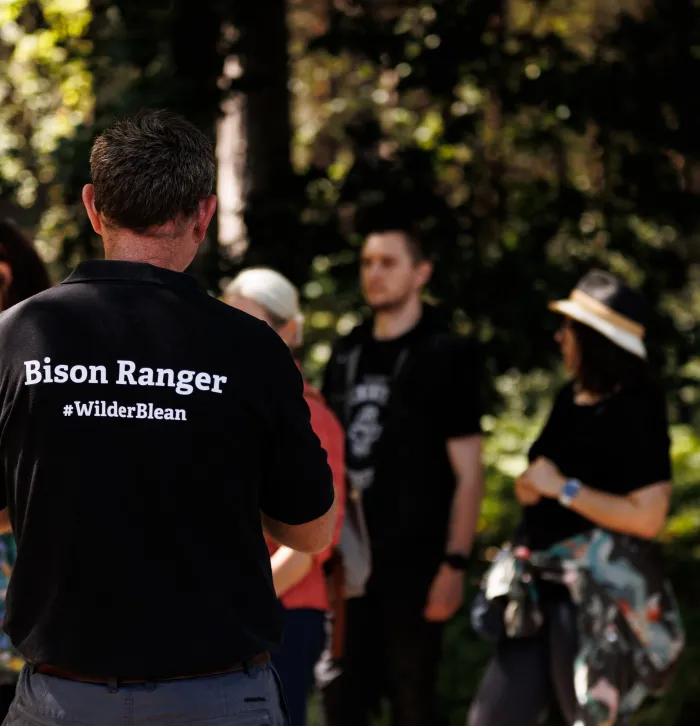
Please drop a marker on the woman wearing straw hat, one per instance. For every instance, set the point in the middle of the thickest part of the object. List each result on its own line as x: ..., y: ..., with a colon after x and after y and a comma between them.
x: 601, y: 464
x: 298, y: 577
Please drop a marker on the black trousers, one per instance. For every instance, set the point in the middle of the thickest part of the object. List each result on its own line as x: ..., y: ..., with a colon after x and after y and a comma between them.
x: 528, y: 676
x: 390, y: 651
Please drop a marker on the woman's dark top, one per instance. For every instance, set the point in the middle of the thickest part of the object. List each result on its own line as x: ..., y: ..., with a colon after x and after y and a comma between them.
x: 617, y: 445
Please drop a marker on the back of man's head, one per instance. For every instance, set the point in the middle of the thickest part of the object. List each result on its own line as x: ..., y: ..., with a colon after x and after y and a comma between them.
x: 151, y: 169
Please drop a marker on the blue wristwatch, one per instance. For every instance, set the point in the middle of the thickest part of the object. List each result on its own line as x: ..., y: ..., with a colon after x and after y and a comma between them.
x: 569, y: 492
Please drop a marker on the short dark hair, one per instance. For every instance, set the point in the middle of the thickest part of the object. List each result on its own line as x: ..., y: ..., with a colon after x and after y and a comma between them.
x: 29, y: 274
x: 151, y: 168
x: 413, y: 242
x: 388, y: 218
x: 604, y: 366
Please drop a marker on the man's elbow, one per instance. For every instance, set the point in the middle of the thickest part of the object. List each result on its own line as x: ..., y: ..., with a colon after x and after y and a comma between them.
x: 318, y: 535
x: 651, y: 526
x: 311, y: 537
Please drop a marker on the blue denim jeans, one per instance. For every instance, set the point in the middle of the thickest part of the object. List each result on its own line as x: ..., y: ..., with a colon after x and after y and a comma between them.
x: 304, y: 638
x: 234, y: 699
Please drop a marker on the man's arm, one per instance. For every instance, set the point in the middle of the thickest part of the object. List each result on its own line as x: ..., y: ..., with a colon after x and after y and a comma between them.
x: 297, y: 500
x: 289, y: 568
x: 311, y: 537
x: 465, y: 457
x: 447, y: 591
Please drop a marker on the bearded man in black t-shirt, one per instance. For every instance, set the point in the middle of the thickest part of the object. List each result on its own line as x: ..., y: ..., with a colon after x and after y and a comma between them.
x: 407, y: 391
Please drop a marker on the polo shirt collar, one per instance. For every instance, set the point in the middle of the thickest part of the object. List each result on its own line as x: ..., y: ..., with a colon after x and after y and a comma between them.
x: 130, y: 272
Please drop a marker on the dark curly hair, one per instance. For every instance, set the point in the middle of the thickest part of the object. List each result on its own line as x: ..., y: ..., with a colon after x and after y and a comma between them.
x: 29, y: 274
x: 604, y: 367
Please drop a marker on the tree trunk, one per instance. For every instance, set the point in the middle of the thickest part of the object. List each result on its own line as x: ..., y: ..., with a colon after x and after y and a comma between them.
x: 197, y: 68
x: 267, y: 108
x: 255, y: 130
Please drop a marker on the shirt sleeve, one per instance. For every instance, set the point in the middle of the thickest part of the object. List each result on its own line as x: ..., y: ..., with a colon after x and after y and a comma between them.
x: 460, y: 370
x: 332, y: 438
x: 645, y: 442
x: 298, y: 486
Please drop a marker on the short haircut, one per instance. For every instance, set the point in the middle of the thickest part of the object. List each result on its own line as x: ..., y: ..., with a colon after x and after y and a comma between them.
x: 604, y: 365
x: 390, y: 218
x: 29, y: 275
x: 150, y: 169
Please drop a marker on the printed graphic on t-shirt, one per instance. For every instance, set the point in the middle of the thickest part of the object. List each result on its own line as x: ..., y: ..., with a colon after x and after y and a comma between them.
x: 368, y: 400
x: 123, y: 373
x: 364, y: 431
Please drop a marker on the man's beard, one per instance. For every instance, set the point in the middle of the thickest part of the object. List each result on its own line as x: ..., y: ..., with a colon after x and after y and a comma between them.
x: 390, y: 306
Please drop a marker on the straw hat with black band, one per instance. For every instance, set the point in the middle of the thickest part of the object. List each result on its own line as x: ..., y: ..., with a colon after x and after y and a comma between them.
x: 604, y: 303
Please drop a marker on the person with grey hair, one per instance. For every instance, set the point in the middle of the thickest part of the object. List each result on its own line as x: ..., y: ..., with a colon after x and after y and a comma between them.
x: 151, y: 435
x: 298, y: 576
x: 270, y: 296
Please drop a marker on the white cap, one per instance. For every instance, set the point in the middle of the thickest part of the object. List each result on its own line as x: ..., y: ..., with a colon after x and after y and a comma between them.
x: 271, y: 290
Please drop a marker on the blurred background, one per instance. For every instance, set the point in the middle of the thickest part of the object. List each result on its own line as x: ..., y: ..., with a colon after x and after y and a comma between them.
x: 529, y: 139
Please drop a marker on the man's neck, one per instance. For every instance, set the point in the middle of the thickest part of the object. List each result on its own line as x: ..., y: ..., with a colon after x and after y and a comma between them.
x: 171, y: 246
x: 144, y: 250
x: 151, y: 260
x: 391, y: 324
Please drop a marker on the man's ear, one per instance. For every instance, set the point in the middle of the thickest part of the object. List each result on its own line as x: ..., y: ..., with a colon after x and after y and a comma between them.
x: 89, y: 202
x: 425, y: 272
x: 205, y: 211
x: 292, y: 333
x: 5, y: 276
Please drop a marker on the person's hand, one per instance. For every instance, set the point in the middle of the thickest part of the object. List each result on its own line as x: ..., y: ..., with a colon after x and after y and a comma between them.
x: 526, y: 494
x: 543, y: 477
x: 446, y: 595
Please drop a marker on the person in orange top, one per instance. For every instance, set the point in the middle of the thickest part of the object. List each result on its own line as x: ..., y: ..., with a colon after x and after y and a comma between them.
x: 298, y: 577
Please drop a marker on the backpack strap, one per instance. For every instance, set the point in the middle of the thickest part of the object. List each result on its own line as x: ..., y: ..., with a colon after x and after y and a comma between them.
x: 351, y: 366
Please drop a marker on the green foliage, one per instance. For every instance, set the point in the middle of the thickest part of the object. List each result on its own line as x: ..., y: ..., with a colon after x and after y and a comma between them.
x: 527, y: 400
x: 529, y: 141
x: 156, y: 54
x: 45, y: 94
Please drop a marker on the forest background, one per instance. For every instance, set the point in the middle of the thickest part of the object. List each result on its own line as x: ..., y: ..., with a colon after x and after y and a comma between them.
x: 529, y: 140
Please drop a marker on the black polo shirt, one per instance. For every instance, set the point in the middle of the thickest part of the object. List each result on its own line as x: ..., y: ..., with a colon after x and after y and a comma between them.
x: 143, y: 427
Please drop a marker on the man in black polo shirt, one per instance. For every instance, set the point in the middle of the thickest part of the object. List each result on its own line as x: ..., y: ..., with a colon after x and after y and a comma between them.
x: 148, y: 433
